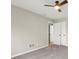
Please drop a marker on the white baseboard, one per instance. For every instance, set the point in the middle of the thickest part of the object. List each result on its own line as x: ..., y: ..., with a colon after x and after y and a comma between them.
x: 27, y: 51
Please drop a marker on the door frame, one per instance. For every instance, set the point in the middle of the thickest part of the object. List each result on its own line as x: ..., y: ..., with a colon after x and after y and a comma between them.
x: 49, y: 43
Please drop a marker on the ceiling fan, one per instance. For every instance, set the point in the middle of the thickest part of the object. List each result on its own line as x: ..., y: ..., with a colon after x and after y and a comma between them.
x: 58, y: 5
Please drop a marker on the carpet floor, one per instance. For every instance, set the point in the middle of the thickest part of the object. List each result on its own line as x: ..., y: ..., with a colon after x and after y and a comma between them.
x: 56, y: 52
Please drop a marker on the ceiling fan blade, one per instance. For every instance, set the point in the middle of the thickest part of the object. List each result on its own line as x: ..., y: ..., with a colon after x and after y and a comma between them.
x: 64, y: 2
x: 49, y: 5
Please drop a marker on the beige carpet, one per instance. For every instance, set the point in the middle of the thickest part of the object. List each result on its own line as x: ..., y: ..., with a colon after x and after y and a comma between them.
x: 56, y: 52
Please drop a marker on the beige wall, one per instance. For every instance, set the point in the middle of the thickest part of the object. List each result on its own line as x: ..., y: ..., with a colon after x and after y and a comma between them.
x: 28, y: 28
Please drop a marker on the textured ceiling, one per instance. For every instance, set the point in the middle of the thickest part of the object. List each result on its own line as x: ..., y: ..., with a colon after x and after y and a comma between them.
x: 37, y: 6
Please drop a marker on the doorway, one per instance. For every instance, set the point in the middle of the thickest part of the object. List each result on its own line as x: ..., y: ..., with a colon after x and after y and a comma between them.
x: 50, y: 42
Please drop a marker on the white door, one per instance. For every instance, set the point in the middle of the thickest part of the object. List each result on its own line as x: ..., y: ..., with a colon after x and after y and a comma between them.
x: 57, y: 33
x: 64, y: 33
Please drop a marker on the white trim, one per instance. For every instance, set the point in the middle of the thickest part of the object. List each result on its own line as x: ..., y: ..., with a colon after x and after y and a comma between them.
x: 27, y: 51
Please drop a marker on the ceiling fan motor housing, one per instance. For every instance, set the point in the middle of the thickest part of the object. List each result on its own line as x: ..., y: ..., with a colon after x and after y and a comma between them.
x: 57, y: 2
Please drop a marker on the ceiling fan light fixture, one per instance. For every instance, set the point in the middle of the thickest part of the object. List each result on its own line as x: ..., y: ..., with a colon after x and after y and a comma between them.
x: 57, y: 7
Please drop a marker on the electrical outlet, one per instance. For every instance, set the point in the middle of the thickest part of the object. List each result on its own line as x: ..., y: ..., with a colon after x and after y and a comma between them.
x: 31, y: 45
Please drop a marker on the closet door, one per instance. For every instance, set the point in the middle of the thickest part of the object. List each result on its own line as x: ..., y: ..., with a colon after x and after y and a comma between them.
x: 64, y: 33
x: 57, y: 33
